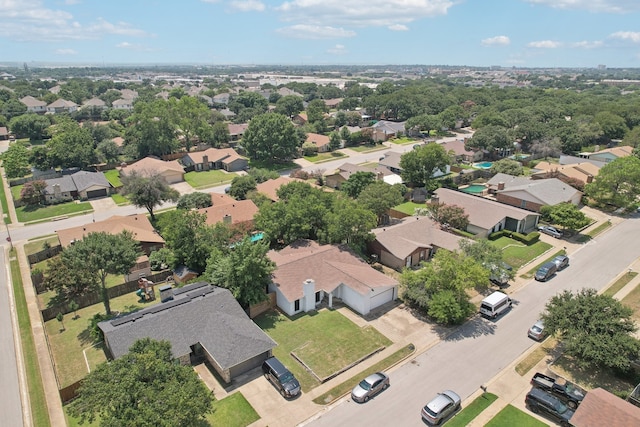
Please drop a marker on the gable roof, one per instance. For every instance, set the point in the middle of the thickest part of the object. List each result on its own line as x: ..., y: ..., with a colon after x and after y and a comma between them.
x: 62, y: 103
x: 601, y: 408
x: 236, y: 212
x: 213, y: 154
x: 389, y: 127
x: 483, y: 213
x: 579, y: 171
x: 199, y: 313
x: 221, y: 199
x: 122, y: 101
x: 30, y: 101
x: 317, y: 139
x: 138, y: 225
x: 415, y: 232
x: 65, y: 183
x: 85, y: 179
x: 271, y: 186
x: 458, y: 148
x: 618, y: 151
x: 152, y: 165
x: 567, y: 160
x: 549, y: 191
x: 94, y: 102
x: 237, y: 129
x: 328, y: 265
x: 391, y: 159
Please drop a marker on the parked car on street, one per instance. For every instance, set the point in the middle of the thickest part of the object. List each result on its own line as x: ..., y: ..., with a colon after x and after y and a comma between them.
x: 546, y: 271
x: 441, y: 407
x: 369, y: 387
x: 562, y: 261
x: 537, y: 331
x: 551, y: 231
x: 545, y: 404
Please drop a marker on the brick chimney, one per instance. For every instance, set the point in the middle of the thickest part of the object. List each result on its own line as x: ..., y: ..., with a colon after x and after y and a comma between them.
x: 500, y: 185
x: 205, y: 162
x: 589, y: 179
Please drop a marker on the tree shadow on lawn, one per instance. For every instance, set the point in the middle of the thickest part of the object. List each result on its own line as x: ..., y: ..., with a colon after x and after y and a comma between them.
x: 84, y: 337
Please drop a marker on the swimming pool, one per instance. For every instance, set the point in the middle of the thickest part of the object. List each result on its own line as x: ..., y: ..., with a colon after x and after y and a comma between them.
x: 474, y: 189
x: 484, y: 165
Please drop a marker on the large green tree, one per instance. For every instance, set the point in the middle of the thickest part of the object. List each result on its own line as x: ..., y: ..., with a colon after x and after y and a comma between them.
x: 32, y: 126
x: 349, y: 222
x: 357, y: 182
x: 419, y: 165
x: 379, y: 197
x: 596, y: 329
x: 104, y: 254
x: 145, y: 387
x: 71, y: 146
x: 508, y: 166
x: 152, y: 129
x: 16, y: 161
x: 271, y: 137
x: 148, y: 191
x: 617, y: 184
x: 245, y: 271
x: 289, y: 105
x: 566, y: 215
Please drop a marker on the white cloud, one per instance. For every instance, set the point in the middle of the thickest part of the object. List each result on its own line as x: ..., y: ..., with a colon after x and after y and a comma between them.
x: 587, y: 44
x: 134, y: 46
x: 361, y: 13
x: 338, y: 50
x: 72, y: 2
x: 606, y: 6
x: 496, y: 41
x: 545, y: 44
x: 398, y: 27
x: 247, y: 5
x: 30, y: 20
x: 631, y: 36
x: 65, y: 52
x: 314, y: 32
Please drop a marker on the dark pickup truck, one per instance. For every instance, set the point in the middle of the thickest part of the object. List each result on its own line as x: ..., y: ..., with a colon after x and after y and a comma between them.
x: 567, y: 392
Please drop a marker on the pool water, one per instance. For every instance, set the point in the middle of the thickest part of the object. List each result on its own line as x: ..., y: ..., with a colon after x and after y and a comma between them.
x: 484, y: 165
x: 474, y: 189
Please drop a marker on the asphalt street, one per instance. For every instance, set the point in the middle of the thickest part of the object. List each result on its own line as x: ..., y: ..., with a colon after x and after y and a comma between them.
x: 481, y: 348
x: 10, y: 403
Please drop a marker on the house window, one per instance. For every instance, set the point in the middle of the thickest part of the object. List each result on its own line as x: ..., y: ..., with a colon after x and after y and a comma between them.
x: 296, y: 305
x: 523, y: 204
x: 422, y: 253
x: 408, y: 261
x: 318, y: 296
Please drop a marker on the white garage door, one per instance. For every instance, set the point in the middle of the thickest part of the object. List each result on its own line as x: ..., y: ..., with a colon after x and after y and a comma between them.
x: 382, y: 298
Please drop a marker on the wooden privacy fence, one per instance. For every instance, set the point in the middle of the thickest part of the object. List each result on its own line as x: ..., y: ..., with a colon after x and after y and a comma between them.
x: 44, y: 254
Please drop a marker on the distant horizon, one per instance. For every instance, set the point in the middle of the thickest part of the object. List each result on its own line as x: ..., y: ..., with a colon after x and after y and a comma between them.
x: 547, y: 34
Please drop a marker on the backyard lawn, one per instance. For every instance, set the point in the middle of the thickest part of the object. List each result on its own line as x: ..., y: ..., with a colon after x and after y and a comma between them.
x: 67, y: 346
x: 37, y: 245
x: 113, y: 176
x: 209, y: 178
x: 30, y: 213
x: 516, y: 254
x: 511, y: 416
x: 409, y: 207
x: 326, y: 341
x: 324, y: 157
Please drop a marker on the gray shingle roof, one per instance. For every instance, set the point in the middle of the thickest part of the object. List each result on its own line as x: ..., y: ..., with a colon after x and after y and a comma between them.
x: 84, y: 180
x: 65, y: 182
x: 200, y: 313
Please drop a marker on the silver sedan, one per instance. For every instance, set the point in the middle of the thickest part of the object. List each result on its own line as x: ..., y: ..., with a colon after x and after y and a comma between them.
x: 369, y: 387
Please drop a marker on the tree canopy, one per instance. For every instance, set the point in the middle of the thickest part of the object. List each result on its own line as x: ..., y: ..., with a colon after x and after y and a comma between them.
x: 419, y: 165
x: 270, y: 137
x: 148, y: 192
x: 617, y: 184
x: 595, y: 328
x: 145, y: 387
x: 566, y: 215
x: 379, y: 197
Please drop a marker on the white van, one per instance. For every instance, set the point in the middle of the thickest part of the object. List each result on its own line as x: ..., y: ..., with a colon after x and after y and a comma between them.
x: 495, y: 304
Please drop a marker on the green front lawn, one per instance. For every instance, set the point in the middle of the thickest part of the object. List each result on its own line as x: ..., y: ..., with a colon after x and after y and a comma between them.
x: 324, y: 157
x: 113, y: 176
x: 367, y: 148
x: 31, y: 213
x: 4, y: 204
x: 402, y: 141
x: 511, y: 416
x: 474, y: 409
x: 516, y: 253
x: 409, y: 207
x: 232, y: 411
x: 326, y: 341
x: 119, y: 199
x: 209, y: 178
x: 15, y: 191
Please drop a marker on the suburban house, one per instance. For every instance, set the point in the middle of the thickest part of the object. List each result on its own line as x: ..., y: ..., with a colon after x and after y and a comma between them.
x: 487, y: 216
x: 609, y: 154
x: 62, y: 106
x: 122, y: 104
x: 300, y: 119
x: 237, y: 130
x: 583, y: 172
x: 34, y: 105
x: 83, y: 185
x: 333, y: 102
x: 601, y: 408
x: 568, y: 160
x: 307, y: 272
x: 137, y: 224
x: 227, y: 113
x: 234, y: 213
x: 270, y: 187
x: 221, y: 98
x: 200, y: 321
x: 320, y: 141
x: 94, y: 103
x: 171, y: 171
x: 532, y: 194
x: 384, y: 130
x: 215, y: 158
x: 391, y: 161
x: 336, y: 177
x: 460, y: 153
x: 408, y: 243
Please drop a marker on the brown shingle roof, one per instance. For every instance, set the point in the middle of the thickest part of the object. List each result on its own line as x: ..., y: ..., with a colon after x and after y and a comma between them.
x: 270, y: 187
x: 213, y: 154
x: 328, y: 265
x: 151, y: 165
x: 138, y: 224
x: 219, y: 199
x: 601, y: 408
x: 239, y: 211
x: 317, y: 139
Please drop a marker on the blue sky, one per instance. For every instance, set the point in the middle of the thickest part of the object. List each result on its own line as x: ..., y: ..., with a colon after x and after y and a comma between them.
x: 522, y: 33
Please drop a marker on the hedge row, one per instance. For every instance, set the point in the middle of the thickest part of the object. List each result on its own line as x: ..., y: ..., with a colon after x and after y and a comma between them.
x: 527, y: 239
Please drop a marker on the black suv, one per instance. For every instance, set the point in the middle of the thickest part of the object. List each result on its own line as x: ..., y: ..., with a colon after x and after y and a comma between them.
x: 550, y: 406
x: 281, y: 377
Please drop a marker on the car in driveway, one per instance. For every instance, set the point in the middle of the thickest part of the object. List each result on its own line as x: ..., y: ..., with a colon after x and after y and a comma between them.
x: 561, y: 261
x: 551, y: 231
x: 546, y: 271
x: 369, y: 387
x: 541, y: 402
x: 537, y: 332
x: 441, y: 407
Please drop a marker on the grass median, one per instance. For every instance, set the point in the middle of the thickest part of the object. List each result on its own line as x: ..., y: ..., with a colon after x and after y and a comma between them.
x: 474, y: 409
